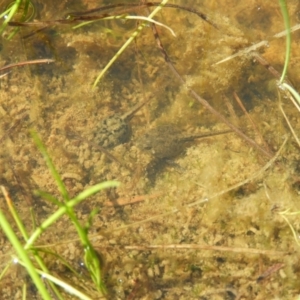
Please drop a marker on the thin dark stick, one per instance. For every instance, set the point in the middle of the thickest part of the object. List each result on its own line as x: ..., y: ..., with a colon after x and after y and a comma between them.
x: 42, y: 23
x: 269, y: 272
x: 148, y: 4
x: 270, y: 68
x: 83, y: 16
x: 240, y: 103
x: 25, y: 63
x: 231, y: 110
x: 202, y: 100
x: 34, y: 32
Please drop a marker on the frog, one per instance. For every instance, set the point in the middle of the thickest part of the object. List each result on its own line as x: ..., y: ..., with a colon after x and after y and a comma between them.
x: 115, y: 129
x: 167, y: 141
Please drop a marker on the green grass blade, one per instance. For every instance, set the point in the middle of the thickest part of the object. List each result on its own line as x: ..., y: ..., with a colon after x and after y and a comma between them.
x: 42, y: 265
x: 58, y: 257
x: 95, y: 189
x: 57, y: 178
x: 68, y: 288
x: 62, y: 210
x: 14, y: 213
x: 49, y: 197
x: 5, y: 270
x: 128, y: 42
x: 12, y: 12
x: 5, y: 13
x: 286, y: 18
x: 22, y: 254
x: 292, y: 91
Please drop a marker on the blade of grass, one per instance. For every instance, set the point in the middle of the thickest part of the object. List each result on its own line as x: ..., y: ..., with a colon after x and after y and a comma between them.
x: 91, y: 257
x: 24, y: 17
x: 14, y: 213
x: 289, y: 124
x: 5, y: 270
x: 128, y: 42
x: 296, y: 238
x: 50, y: 165
x: 58, y: 257
x: 62, y: 210
x: 26, y: 236
x: 22, y: 254
x: 13, y: 9
x: 292, y: 91
x: 286, y: 18
x: 68, y: 288
x: 49, y: 197
x: 42, y: 265
x: 24, y: 291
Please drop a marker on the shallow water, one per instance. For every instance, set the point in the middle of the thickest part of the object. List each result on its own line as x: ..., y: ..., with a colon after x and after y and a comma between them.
x: 173, y: 230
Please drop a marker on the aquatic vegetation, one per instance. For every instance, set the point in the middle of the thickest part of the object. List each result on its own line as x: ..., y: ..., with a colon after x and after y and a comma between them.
x: 24, y: 253
x: 223, y: 207
x: 18, y: 10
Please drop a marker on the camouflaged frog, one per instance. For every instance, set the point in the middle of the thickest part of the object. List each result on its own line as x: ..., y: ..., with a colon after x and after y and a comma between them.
x: 115, y: 129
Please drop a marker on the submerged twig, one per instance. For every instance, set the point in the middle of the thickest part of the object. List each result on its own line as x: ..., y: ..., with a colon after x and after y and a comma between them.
x: 269, y: 67
x: 240, y: 103
x: 76, y: 15
x: 233, y: 116
x: 28, y: 62
x: 269, y: 272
